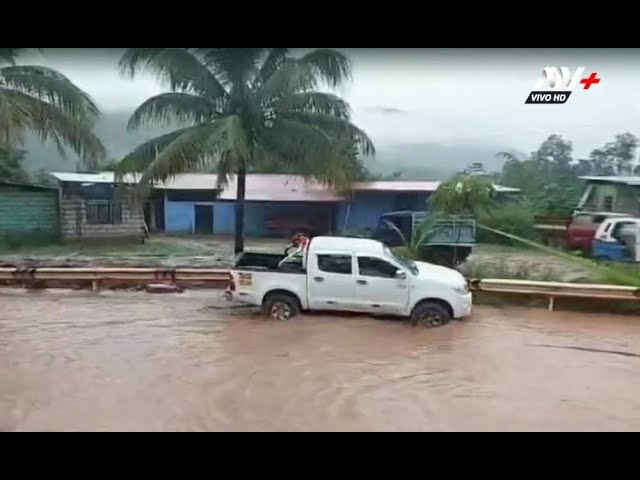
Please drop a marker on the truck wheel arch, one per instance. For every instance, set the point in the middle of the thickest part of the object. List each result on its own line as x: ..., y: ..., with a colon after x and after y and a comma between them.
x: 437, y: 301
x: 283, y: 292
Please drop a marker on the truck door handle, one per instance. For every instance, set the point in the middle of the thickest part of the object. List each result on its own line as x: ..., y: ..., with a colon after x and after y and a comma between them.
x: 318, y: 279
x: 362, y: 282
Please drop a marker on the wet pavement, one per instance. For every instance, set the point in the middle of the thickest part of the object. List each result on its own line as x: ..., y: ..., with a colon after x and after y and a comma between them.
x: 140, y: 362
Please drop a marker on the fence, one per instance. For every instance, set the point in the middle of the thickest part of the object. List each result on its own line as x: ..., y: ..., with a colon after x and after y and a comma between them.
x: 218, y: 278
x: 553, y: 290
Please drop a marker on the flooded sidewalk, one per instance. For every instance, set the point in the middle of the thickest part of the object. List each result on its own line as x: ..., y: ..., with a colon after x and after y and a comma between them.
x: 139, y: 362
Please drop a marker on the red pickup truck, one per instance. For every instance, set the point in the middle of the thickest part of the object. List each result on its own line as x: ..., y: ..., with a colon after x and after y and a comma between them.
x: 575, y: 232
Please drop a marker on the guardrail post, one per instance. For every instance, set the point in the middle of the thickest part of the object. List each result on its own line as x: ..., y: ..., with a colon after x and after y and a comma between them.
x: 94, y: 285
x: 551, y: 299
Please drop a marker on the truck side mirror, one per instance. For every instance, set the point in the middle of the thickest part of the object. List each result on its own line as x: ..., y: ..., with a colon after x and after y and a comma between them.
x: 401, y: 275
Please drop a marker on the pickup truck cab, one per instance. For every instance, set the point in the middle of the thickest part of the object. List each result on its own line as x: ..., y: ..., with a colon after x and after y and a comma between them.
x: 349, y: 274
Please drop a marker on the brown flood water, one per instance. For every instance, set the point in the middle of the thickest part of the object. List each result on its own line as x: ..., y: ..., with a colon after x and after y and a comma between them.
x: 139, y: 362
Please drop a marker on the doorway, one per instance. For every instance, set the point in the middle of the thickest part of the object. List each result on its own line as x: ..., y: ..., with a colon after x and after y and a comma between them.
x: 204, y: 219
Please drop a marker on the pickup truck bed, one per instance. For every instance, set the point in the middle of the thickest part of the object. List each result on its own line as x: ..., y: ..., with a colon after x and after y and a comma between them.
x: 266, y: 262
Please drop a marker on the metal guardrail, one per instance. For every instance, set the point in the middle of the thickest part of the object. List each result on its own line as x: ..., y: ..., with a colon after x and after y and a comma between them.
x: 187, y: 276
x: 183, y: 276
x: 553, y: 290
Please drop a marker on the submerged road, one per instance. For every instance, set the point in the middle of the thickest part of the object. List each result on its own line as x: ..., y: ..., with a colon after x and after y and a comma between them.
x: 76, y: 361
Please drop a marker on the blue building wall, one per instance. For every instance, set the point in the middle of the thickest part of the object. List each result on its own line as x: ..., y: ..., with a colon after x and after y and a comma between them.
x: 356, y: 216
x: 224, y: 217
x: 365, y: 209
x: 180, y: 216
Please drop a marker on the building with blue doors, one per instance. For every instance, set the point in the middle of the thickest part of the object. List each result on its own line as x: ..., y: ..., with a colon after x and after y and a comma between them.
x: 276, y: 205
x: 279, y: 205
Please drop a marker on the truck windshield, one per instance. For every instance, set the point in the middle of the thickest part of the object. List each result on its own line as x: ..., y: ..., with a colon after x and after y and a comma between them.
x: 408, y: 264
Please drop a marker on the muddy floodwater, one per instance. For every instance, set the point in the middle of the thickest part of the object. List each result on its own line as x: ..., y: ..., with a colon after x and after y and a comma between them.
x: 142, y: 362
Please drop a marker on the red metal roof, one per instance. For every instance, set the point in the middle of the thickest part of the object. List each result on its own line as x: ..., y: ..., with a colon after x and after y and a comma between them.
x: 267, y: 187
x: 260, y: 187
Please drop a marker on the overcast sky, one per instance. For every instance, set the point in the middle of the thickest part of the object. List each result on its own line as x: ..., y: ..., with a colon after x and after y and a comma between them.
x: 447, y: 95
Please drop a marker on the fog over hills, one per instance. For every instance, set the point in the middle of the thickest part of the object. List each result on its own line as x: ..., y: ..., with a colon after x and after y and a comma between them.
x: 424, y: 161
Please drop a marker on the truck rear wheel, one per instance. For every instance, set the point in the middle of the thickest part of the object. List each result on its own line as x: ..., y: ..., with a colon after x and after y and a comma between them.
x: 430, y: 315
x: 280, y: 306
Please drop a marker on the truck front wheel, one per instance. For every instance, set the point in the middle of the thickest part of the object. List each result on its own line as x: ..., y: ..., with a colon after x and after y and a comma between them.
x: 430, y: 315
x: 280, y: 306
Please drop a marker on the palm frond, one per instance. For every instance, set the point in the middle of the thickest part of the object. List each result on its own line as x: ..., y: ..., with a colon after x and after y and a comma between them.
x: 328, y: 65
x: 51, y: 86
x: 199, y: 147
x: 274, y: 59
x: 314, y: 102
x: 14, y: 118
x: 173, y: 108
x: 336, y: 127
x: 177, y: 68
x: 190, y: 151
x: 143, y: 156
x: 306, y: 150
x: 53, y: 123
x: 423, y: 232
x: 290, y: 78
x: 233, y: 66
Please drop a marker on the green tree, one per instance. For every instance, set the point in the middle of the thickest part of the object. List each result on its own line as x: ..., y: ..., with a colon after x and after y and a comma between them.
x: 43, y: 101
x: 615, y: 157
x: 242, y: 108
x: 549, y: 178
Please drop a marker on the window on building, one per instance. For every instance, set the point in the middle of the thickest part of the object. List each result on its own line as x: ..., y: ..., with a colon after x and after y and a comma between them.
x: 104, y: 213
x: 335, y: 264
x: 375, y: 267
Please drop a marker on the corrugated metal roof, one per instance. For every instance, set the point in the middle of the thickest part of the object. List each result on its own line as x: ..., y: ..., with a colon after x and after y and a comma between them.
x: 633, y: 180
x: 399, y: 186
x: 265, y: 187
x: 102, y: 177
x: 396, y: 186
x: 281, y: 188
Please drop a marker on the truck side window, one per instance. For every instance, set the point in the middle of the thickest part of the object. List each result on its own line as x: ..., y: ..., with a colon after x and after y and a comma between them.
x: 335, y: 264
x: 375, y: 267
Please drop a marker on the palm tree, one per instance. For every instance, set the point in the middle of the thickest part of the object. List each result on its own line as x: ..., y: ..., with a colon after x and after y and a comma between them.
x: 464, y: 195
x: 241, y: 108
x: 43, y: 101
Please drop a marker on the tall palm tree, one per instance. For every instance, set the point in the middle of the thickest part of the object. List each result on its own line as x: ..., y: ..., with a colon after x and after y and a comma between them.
x: 241, y: 108
x: 43, y: 101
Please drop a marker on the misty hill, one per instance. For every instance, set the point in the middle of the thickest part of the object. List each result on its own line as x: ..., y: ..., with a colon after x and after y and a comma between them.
x: 433, y: 161
x: 416, y: 161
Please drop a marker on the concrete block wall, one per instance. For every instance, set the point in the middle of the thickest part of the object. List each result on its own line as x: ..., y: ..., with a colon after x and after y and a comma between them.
x: 75, y: 226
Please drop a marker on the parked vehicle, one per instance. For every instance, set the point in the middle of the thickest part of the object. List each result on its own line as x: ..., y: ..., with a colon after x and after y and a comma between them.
x: 450, y: 244
x: 349, y: 274
x: 575, y: 232
x: 618, y: 239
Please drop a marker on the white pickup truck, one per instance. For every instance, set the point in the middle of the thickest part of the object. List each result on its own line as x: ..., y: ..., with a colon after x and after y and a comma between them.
x: 349, y: 274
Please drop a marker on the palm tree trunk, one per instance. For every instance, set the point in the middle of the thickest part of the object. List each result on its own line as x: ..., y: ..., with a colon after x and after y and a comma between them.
x: 238, y: 241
